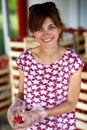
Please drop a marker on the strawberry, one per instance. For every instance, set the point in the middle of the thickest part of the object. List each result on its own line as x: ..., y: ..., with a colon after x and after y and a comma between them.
x: 17, y: 119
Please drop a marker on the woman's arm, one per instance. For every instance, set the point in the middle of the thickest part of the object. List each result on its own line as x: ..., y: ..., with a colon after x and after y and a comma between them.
x: 20, y: 94
x: 72, y: 99
x: 18, y: 104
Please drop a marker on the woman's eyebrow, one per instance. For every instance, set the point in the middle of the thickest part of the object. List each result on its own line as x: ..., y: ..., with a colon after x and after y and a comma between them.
x: 52, y: 24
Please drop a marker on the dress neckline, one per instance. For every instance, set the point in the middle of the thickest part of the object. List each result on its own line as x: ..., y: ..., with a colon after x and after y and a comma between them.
x: 57, y: 61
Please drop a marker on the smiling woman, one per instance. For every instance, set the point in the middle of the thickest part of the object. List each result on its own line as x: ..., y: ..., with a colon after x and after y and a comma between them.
x: 47, y: 34
x: 50, y: 76
x: 36, y: 22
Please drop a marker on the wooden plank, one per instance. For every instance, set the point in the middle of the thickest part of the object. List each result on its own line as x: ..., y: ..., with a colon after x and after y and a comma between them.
x: 84, y: 75
x: 81, y: 47
x: 81, y: 116
x: 13, y: 63
x: 15, y: 81
x: 31, y: 42
x: 81, y: 125
x: 5, y: 103
x: 4, y: 87
x: 6, y: 95
x: 5, y: 79
x: 82, y: 106
x: 17, y: 44
x: 83, y: 96
x: 15, y: 90
x: 3, y: 111
x: 13, y: 96
x: 14, y: 73
x: 84, y: 86
x: 79, y: 38
x: 4, y: 71
x: 14, y: 53
x: 67, y: 42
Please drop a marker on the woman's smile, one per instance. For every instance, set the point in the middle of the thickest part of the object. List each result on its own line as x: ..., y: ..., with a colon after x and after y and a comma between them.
x: 48, y: 33
x: 47, y: 40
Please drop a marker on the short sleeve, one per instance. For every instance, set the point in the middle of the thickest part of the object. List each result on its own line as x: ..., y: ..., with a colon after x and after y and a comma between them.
x: 75, y: 63
x: 21, y: 61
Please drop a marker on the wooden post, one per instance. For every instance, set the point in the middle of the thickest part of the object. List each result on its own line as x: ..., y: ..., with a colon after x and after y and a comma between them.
x: 85, y: 36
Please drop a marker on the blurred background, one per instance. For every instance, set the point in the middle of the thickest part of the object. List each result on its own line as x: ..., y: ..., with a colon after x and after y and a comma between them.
x: 15, y: 38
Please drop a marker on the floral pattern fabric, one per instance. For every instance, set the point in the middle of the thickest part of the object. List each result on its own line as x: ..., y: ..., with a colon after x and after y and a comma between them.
x: 46, y: 86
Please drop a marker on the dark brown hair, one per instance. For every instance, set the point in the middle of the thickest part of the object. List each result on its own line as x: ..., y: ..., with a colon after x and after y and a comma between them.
x: 39, y: 12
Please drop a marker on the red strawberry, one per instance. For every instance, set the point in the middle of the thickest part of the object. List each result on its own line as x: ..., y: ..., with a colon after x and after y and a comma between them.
x: 17, y: 119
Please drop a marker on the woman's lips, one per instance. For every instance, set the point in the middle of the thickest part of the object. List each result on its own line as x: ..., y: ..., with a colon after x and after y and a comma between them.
x: 47, y: 40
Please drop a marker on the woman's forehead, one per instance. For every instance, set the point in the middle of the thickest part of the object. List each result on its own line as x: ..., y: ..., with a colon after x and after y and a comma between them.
x: 47, y: 21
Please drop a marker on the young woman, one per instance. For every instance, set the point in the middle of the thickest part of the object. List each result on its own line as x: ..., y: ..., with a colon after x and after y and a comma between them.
x: 50, y: 76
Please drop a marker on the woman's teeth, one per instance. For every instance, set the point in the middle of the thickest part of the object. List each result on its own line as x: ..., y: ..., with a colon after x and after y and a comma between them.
x: 47, y: 40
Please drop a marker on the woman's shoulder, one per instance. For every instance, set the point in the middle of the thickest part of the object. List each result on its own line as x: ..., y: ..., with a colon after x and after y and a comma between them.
x: 74, y: 57
x: 74, y: 60
x: 24, y: 54
x: 72, y: 53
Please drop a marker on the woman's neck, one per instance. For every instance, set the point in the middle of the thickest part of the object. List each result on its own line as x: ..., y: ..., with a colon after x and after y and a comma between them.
x: 49, y: 52
x: 48, y: 55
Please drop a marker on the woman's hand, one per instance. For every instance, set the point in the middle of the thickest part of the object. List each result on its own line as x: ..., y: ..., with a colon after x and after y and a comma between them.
x: 29, y: 118
x: 17, y: 106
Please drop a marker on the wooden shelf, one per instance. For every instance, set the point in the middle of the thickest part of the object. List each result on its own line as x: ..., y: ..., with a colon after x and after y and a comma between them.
x: 4, y: 71
x: 81, y: 108
x: 5, y: 90
x: 81, y: 125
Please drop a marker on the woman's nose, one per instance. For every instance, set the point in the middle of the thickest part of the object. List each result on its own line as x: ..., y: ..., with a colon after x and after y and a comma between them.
x: 46, y: 32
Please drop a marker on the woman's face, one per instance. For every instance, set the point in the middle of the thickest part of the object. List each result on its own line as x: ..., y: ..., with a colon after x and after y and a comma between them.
x: 47, y: 35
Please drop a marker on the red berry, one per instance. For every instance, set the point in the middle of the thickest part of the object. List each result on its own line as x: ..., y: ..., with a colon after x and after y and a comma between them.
x: 17, y: 119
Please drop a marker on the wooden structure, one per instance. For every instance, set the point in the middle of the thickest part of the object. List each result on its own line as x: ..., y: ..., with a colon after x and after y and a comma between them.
x: 81, y: 109
x: 85, y: 37
x: 5, y: 90
x: 15, y: 48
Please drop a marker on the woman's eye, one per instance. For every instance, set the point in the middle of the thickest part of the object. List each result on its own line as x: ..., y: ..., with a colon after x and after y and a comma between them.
x: 51, y: 27
x: 39, y: 29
